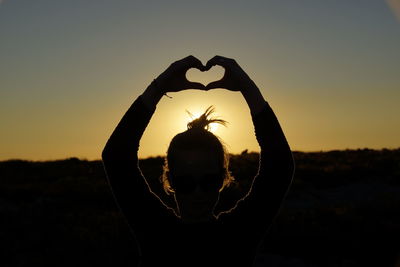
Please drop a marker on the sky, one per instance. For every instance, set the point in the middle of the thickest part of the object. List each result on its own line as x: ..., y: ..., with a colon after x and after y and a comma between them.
x: 69, y: 70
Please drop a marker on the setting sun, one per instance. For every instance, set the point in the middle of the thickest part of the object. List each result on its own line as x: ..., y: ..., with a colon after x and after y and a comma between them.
x: 213, y: 127
x: 171, y: 117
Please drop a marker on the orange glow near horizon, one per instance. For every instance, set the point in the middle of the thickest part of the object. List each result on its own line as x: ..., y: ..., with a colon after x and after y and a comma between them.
x: 171, y: 118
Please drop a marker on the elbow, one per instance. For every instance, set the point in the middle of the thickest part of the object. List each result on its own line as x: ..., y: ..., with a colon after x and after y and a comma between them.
x: 105, y: 155
x: 111, y: 150
x: 281, y: 156
x: 289, y: 161
x: 107, y: 152
x: 291, y: 165
x: 286, y: 167
x: 118, y: 152
x: 286, y: 162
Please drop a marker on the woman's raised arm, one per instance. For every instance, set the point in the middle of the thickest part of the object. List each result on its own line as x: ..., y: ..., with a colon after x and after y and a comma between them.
x: 120, y: 155
x: 276, y: 165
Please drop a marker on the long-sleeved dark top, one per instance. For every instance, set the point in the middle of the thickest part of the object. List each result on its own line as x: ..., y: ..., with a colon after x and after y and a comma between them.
x: 232, y: 239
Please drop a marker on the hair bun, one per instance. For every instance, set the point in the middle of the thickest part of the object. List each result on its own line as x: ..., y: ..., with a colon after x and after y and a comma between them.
x: 203, y: 122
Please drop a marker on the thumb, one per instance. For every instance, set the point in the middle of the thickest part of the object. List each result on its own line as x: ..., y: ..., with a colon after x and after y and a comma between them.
x: 216, y: 84
x: 195, y: 85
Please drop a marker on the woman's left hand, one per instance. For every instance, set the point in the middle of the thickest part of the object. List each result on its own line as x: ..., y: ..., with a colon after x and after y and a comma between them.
x: 235, y: 78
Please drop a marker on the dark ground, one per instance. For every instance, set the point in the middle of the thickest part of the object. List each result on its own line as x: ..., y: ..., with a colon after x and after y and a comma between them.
x: 343, y: 209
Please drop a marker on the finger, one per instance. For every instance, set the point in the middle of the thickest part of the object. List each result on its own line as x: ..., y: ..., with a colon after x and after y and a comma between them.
x: 212, y: 62
x: 193, y: 62
x: 218, y: 60
x: 216, y: 84
x: 194, y: 85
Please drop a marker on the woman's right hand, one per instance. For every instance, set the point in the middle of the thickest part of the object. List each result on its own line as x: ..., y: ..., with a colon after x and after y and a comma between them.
x: 173, y: 79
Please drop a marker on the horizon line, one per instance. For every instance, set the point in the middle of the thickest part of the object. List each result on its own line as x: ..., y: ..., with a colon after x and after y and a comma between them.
x: 243, y: 152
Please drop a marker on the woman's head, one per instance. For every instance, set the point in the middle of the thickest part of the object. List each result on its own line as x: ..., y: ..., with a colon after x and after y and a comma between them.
x: 196, y: 166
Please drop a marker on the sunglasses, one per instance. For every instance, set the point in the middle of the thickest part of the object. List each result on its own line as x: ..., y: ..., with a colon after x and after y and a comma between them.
x: 187, y: 184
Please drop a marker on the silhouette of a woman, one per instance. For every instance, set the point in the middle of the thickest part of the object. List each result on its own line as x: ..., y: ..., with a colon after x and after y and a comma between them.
x: 195, y: 172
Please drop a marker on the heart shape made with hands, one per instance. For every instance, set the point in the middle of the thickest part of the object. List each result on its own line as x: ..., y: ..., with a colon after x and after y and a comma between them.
x: 205, y: 77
